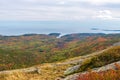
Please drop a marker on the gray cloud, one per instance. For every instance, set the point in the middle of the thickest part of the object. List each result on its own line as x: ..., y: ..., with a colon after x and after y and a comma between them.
x: 55, y: 9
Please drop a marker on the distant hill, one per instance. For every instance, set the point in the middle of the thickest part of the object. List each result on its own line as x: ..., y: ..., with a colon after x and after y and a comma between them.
x: 54, y: 34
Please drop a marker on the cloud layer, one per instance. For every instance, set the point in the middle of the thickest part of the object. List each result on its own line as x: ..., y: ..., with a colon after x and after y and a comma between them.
x: 59, y: 9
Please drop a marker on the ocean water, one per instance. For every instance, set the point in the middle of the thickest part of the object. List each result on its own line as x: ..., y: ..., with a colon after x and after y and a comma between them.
x: 64, y: 27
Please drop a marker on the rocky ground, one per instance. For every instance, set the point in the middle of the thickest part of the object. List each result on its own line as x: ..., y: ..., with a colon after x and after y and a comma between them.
x: 100, y: 69
x: 53, y: 71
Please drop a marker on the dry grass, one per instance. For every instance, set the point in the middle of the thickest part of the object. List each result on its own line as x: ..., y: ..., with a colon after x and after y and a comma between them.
x: 48, y: 72
x: 14, y: 76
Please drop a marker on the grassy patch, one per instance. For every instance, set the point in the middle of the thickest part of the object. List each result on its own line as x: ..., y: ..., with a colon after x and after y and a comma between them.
x: 107, y: 57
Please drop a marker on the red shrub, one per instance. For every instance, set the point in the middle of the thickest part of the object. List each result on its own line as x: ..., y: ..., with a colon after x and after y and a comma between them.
x: 106, y: 75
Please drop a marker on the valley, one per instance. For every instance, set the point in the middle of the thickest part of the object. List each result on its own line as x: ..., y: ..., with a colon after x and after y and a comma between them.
x: 46, y: 57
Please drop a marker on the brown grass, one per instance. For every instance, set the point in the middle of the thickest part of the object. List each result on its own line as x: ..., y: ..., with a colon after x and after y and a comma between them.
x: 48, y: 72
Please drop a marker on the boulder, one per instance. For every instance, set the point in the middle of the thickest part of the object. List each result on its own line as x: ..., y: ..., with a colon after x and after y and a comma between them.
x: 72, y: 70
x: 103, y: 68
x: 116, y: 44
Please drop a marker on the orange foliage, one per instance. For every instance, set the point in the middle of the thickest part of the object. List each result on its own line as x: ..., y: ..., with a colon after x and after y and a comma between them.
x: 106, y: 75
x: 101, y: 39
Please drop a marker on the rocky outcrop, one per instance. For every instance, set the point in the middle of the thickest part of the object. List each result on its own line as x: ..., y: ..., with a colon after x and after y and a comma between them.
x: 103, y: 68
x: 78, y: 62
x: 71, y: 70
x: 116, y: 44
x: 25, y: 70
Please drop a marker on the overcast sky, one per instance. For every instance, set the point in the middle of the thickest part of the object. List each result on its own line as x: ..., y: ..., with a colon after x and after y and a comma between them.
x: 60, y: 10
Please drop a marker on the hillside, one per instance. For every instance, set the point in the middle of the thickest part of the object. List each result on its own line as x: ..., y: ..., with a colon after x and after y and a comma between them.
x: 56, y: 57
x: 32, y: 49
x: 99, y: 62
x: 55, y: 71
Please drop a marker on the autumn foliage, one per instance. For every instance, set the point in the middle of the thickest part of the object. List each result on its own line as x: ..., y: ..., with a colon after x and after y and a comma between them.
x: 106, y: 75
x: 32, y: 49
